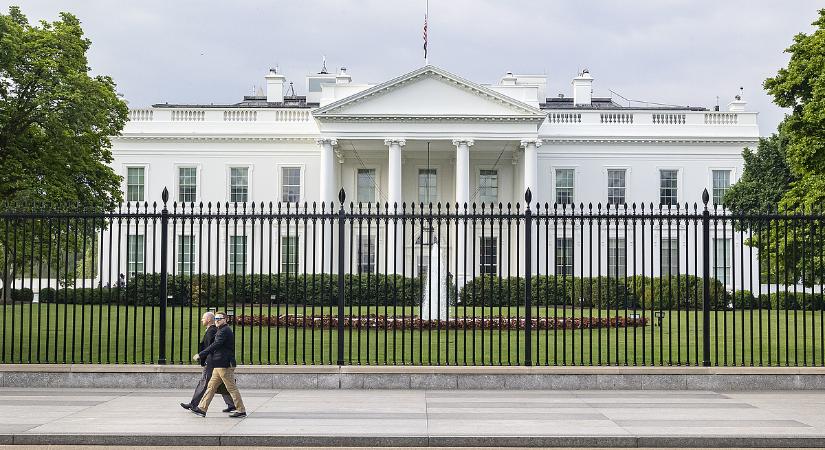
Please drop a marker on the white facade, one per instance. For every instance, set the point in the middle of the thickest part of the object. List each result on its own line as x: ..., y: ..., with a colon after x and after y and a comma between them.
x: 434, y: 126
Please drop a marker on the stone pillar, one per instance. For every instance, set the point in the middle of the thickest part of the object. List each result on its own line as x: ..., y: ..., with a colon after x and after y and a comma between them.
x: 531, y: 169
x: 395, y: 248
x: 328, y: 195
x: 329, y: 179
x: 462, y: 171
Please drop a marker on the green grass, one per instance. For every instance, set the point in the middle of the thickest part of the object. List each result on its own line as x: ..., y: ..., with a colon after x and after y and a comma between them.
x: 43, y: 333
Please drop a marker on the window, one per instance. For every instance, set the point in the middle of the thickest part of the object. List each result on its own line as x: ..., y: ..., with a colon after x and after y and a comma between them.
x: 668, y: 184
x: 721, y: 184
x: 135, y: 182
x: 187, y: 184
x: 366, y: 254
x: 488, y: 258
x: 289, y: 254
x: 488, y: 186
x: 366, y: 186
x: 135, y: 260
x: 669, y: 256
x: 564, y: 256
x: 616, y: 186
x: 722, y: 259
x: 186, y: 254
x: 616, y: 257
x: 239, y: 184
x: 427, y: 186
x: 290, y: 184
x: 237, y: 254
x: 564, y: 186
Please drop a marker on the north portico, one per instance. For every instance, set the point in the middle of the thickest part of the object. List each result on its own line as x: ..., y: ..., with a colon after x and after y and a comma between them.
x: 426, y: 137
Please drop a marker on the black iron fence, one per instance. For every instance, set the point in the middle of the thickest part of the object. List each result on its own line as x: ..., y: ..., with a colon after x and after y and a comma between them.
x: 415, y: 284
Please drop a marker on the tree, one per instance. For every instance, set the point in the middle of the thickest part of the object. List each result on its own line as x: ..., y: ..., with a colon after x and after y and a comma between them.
x: 55, y: 126
x: 765, y: 179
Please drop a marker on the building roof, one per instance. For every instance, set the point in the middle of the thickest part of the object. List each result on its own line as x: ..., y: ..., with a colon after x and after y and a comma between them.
x: 249, y: 101
x: 607, y: 103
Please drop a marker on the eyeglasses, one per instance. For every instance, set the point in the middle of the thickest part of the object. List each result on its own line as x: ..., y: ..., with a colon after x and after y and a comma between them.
x: 220, y: 318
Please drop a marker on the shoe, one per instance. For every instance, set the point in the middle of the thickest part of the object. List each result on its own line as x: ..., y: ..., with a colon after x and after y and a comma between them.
x: 186, y: 406
x: 229, y: 410
x: 238, y: 414
x: 197, y: 411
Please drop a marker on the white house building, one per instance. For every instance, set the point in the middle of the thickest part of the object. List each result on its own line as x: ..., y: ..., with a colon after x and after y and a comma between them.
x: 432, y: 136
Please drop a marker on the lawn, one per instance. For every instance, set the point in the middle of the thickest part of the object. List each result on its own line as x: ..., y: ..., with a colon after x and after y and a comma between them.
x: 43, y: 333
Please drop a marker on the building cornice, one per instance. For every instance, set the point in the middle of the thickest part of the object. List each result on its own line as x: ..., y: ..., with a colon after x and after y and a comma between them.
x: 215, y: 138
x: 647, y: 140
x: 434, y: 118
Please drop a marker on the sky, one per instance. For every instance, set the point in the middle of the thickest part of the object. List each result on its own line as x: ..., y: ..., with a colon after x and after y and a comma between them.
x: 680, y: 52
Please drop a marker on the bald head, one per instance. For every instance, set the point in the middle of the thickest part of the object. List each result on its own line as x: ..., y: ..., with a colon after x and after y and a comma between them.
x: 208, y: 318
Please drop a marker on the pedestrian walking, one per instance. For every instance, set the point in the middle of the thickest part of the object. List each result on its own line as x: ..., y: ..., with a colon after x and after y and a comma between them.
x: 220, y: 354
x: 208, y: 321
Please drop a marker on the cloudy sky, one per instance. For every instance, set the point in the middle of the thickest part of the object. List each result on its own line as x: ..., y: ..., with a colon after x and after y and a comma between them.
x: 684, y: 52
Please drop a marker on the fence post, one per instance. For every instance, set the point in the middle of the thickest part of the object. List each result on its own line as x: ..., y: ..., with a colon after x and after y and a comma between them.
x: 705, y: 280
x: 341, y: 238
x: 164, y: 252
x: 528, y: 278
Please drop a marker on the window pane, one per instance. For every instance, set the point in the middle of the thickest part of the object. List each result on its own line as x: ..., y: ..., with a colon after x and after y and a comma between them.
x: 721, y: 184
x: 186, y: 254
x: 488, y: 186
x: 238, y: 184
x: 187, y: 184
x: 564, y: 186
x: 366, y: 185
x: 616, y: 257
x: 289, y: 254
x: 134, y: 184
x: 669, y: 256
x: 135, y: 260
x: 237, y: 254
x: 488, y: 257
x: 564, y: 256
x: 366, y: 254
x: 668, y: 187
x: 290, y: 184
x: 721, y: 259
x: 427, y: 186
x: 616, y: 186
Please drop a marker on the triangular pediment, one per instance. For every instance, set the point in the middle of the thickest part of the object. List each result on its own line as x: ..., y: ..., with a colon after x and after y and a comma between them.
x: 429, y: 92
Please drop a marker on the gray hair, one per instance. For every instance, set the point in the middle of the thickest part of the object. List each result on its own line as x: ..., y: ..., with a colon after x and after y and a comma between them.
x: 209, y: 315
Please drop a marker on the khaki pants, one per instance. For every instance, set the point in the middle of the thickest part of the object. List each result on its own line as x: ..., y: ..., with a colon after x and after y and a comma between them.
x: 225, y: 375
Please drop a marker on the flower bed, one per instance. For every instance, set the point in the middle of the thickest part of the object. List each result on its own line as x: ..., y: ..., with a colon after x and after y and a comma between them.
x: 460, y: 323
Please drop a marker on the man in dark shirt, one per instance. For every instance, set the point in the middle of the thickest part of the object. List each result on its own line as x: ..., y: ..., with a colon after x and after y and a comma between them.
x: 208, y: 321
x: 220, y: 354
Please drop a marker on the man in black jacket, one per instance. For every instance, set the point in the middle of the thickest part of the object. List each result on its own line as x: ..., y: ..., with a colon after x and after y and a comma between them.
x: 208, y: 321
x: 220, y: 354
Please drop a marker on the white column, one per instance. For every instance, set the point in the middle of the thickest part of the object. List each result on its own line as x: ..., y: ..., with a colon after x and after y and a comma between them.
x: 531, y: 168
x: 462, y: 171
x: 395, y: 248
x: 329, y: 180
x: 394, y: 175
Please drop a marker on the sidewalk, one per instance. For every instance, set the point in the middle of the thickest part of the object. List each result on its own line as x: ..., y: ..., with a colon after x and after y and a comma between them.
x: 418, y: 418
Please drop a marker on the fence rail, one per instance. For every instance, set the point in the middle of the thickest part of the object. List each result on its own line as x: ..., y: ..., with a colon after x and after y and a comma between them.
x: 415, y: 284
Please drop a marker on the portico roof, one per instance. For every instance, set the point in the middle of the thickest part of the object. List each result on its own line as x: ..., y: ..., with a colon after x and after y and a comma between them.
x: 429, y: 94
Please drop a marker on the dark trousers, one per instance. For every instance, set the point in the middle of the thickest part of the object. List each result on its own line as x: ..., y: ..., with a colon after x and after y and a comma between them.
x: 200, y: 389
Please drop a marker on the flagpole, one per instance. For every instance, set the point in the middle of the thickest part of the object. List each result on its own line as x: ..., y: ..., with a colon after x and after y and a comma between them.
x: 426, y: 16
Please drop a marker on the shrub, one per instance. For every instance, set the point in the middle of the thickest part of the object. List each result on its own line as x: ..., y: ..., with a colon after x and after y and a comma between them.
x: 792, y: 301
x: 22, y: 295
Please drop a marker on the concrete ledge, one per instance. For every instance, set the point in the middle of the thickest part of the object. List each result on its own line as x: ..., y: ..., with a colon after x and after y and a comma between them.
x: 422, y: 377
x: 417, y: 441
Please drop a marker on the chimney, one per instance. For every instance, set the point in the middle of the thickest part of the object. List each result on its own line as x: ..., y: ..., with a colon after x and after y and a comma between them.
x: 274, y: 86
x: 737, y: 105
x: 508, y: 79
x: 343, y: 77
x: 583, y: 89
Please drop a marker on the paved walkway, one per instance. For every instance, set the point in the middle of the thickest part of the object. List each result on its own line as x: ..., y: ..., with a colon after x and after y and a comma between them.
x: 419, y: 418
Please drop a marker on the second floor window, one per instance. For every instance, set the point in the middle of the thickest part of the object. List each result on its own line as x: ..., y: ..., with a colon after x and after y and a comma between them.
x: 135, y: 183
x: 668, y: 187
x: 564, y: 186
x: 721, y: 184
x: 187, y: 184
x: 616, y: 186
x: 290, y: 184
x: 488, y: 186
x: 366, y: 186
x: 239, y: 184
